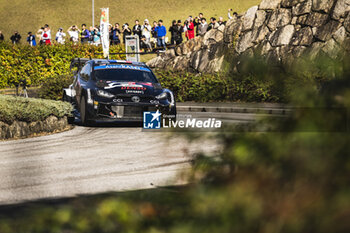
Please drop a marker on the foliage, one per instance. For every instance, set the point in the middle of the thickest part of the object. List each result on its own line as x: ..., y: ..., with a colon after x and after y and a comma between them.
x: 52, y: 87
x: 48, y: 67
x: 37, y: 64
x: 294, y: 179
x: 30, y: 110
x: 188, y: 87
x: 215, y: 87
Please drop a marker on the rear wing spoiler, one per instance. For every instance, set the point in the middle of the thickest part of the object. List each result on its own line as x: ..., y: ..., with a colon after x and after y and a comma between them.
x: 78, y: 63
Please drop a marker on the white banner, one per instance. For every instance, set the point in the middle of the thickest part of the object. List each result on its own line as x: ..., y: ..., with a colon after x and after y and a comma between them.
x: 104, y: 24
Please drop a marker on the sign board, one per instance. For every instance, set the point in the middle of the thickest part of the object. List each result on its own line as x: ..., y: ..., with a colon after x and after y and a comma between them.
x: 132, y: 45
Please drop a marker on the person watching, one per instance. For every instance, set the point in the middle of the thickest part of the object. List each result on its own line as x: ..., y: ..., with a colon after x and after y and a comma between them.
x: 190, y: 28
x: 96, y: 36
x: 185, y: 29
x: 126, y: 31
x: 31, y: 39
x: 180, y: 30
x: 146, y: 34
x: 161, y: 33
x: 137, y: 29
x: 91, y: 37
x: 221, y: 21
x: 173, y: 32
x: 39, y: 35
x: 116, y: 34
x: 176, y: 32
x: 16, y: 38
x: 197, y: 21
x: 60, y: 36
x: 154, y: 32
x: 213, y: 24
x: 85, y: 34
x: 47, y: 35
x: 203, y: 27
x: 73, y: 33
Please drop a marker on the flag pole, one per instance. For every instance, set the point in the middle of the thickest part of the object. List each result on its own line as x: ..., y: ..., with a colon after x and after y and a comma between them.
x: 93, y: 13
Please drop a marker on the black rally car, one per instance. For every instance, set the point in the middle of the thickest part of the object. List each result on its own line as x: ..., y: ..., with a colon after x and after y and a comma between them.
x: 113, y: 90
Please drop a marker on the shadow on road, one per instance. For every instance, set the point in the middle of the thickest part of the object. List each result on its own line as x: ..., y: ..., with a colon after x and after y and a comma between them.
x: 31, y: 211
x: 109, y: 124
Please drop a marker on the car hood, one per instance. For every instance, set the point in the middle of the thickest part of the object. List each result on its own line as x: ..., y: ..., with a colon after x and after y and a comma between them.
x: 139, y: 88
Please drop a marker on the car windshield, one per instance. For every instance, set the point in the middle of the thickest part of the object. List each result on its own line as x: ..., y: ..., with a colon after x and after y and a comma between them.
x: 134, y: 74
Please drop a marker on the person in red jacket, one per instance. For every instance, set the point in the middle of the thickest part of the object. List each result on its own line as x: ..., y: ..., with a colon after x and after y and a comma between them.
x: 190, y: 29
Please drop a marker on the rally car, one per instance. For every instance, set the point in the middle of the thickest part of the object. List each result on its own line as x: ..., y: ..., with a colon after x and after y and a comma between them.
x: 114, y: 90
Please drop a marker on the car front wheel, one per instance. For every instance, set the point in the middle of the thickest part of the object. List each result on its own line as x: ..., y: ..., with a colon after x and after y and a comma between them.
x: 84, y: 113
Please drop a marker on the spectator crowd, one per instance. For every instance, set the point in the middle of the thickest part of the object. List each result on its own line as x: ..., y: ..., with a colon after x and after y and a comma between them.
x: 151, y: 36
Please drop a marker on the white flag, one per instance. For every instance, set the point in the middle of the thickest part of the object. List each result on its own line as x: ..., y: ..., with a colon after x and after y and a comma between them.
x: 104, y: 24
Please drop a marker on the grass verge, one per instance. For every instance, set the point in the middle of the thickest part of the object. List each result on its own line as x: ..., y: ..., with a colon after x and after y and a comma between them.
x: 24, y: 17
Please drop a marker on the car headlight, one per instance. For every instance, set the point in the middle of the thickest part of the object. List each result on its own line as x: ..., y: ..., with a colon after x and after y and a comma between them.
x: 104, y: 94
x: 162, y: 96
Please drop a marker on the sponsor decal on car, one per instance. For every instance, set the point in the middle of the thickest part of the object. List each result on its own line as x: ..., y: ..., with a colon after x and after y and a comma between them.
x: 129, y: 67
x: 147, y: 84
x: 134, y: 88
x: 126, y: 86
x: 134, y: 92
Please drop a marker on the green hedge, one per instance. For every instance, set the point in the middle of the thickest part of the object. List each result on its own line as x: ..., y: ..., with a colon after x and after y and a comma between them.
x: 216, y: 87
x: 52, y: 87
x: 37, y: 64
x: 48, y: 67
x: 188, y: 87
x: 30, y: 109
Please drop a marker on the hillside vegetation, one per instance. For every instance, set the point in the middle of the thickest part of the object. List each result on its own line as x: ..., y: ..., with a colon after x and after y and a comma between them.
x: 295, y: 178
x: 37, y: 64
x: 25, y: 16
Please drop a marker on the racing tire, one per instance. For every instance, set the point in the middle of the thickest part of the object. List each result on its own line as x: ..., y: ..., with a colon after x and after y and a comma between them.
x: 173, y: 113
x: 70, y: 120
x: 65, y: 98
x: 84, y: 113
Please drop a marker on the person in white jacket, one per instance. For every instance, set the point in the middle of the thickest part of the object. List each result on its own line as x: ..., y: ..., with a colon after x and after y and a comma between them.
x: 60, y: 36
x: 73, y: 33
x: 146, y: 33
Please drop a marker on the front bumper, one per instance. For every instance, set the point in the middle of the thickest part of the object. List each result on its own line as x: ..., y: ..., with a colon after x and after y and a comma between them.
x: 125, y: 112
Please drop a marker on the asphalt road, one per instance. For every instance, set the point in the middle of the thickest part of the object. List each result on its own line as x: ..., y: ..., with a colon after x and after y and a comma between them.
x: 92, y: 160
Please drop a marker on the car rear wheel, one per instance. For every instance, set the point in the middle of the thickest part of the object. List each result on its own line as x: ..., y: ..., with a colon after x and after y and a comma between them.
x: 84, y: 113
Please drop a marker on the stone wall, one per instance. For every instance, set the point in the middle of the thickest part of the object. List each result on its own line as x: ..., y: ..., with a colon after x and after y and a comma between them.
x: 19, y: 129
x: 280, y: 30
